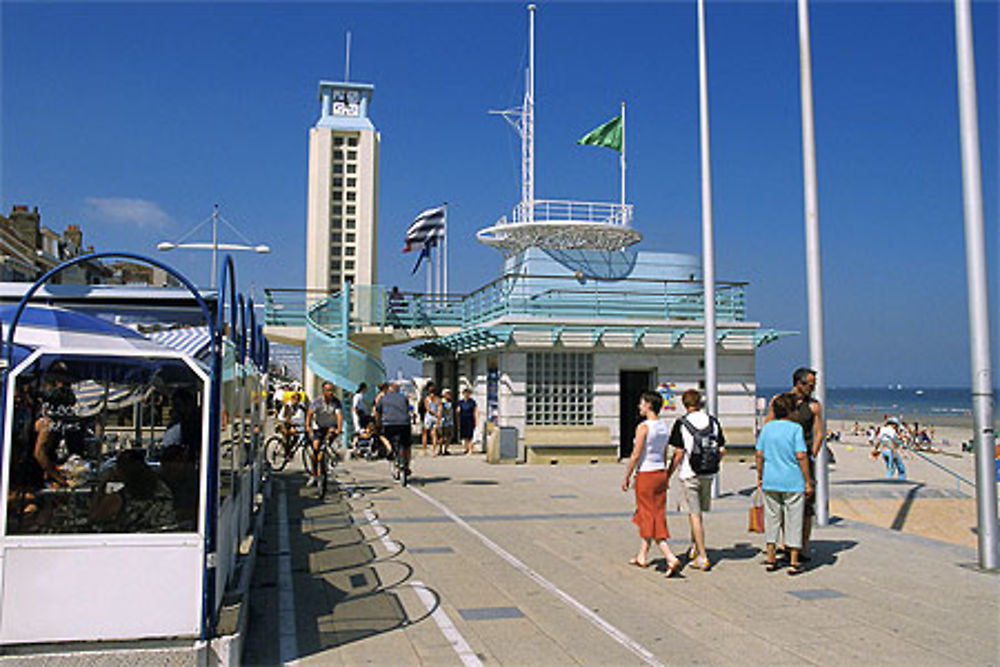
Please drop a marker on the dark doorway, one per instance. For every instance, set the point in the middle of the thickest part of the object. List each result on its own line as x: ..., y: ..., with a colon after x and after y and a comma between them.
x: 631, y: 384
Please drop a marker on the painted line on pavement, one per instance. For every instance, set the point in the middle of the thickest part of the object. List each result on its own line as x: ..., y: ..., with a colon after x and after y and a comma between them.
x: 608, y: 629
x: 448, y: 629
x: 386, y: 541
x: 288, y: 644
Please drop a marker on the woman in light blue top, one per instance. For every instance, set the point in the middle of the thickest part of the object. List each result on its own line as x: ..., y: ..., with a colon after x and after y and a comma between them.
x: 783, y: 475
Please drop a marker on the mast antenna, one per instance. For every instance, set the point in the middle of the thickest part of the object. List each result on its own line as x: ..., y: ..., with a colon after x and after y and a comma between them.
x: 347, y: 59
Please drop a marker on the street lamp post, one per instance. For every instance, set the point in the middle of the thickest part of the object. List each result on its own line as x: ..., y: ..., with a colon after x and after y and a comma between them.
x: 214, y: 246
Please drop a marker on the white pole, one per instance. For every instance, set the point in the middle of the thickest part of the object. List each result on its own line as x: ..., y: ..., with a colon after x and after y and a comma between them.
x: 707, y: 233
x: 347, y: 59
x: 215, y: 243
x: 979, y: 311
x: 531, y: 113
x: 445, y: 249
x: 437, y: 248
x: 814, y: 273
x: 623, y: 161
x: 430, y: 272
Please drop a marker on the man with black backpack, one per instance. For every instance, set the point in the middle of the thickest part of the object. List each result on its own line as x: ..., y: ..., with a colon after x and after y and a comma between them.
x: 699, y: 446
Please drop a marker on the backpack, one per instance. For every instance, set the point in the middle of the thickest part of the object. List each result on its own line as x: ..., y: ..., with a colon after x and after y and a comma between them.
x: 704, y: 457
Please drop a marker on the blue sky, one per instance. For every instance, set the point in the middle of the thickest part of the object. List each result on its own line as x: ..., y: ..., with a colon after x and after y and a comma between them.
x: 133, y: 119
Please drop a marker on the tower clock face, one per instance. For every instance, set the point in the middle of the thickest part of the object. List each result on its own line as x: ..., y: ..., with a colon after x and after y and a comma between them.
x: 346, y: 103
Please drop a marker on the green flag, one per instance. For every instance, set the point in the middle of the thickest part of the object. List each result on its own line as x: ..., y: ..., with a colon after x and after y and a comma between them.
x: 608, y: 135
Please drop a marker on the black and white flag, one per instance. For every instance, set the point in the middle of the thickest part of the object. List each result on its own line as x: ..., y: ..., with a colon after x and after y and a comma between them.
x: 426, y: 229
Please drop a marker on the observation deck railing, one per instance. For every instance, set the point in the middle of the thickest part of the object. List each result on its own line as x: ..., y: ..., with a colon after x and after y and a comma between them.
x: 558, y: 210
x: 543, y: 297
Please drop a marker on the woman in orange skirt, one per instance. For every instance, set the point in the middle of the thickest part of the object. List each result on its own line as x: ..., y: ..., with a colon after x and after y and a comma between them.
x: 648, y: 462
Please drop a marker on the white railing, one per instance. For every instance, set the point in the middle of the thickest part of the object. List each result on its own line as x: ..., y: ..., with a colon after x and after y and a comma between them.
x: 555, y: 210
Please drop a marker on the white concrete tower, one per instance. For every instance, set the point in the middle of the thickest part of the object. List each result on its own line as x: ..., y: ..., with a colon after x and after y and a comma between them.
x: 342, y: 217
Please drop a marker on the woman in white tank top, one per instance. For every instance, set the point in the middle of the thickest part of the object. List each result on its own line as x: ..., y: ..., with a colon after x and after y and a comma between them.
x: 648, y: 461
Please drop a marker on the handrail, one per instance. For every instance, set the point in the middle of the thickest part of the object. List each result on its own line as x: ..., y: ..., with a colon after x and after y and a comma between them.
x: 958, y: 478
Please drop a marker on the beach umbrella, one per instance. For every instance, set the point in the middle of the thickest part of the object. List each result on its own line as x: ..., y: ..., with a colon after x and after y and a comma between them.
x: 55, y: 328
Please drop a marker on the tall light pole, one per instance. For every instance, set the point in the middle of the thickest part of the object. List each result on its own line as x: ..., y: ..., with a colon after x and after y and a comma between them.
x: 214, y: 246
x: 979, y: 311
x: 814, y: 273
x: 707, y: 232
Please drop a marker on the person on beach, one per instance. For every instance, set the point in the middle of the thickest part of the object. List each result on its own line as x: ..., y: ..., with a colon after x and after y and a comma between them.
x: 891, y: 445
x: 467, y: 419
x: 784, y: 477
x: 648, y: 464
x: 808, y: 412
x: 697, y: 486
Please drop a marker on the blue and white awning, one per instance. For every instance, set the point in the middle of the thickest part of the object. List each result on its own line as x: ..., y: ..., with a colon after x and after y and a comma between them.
x: 192, y: 341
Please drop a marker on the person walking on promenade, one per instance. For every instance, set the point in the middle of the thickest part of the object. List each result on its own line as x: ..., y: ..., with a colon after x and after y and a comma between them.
x: 432, y: 419
x: 648, y: 463
x: 783, y: 475
x: 808, y: 412
x: 892, y: 449
x: 696, y: 472
x: 467, y: 419
x: 447, y: 422
x: 359, y: 411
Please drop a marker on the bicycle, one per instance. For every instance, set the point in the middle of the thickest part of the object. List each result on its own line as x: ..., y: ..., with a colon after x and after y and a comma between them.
x: 400, y: 463
x: 325, y: 458
x: 279, y: 450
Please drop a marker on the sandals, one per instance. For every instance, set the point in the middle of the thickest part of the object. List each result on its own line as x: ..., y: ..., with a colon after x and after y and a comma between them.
x: 795, y: 569
x: 702, y: 564
x: 672, y: 568
x: 771, y: 566
x: 635, y: 562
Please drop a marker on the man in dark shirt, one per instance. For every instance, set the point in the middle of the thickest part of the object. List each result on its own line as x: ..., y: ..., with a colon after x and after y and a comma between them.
x: 395, y: 416
x: 325, y: 419
x: 809, y: 414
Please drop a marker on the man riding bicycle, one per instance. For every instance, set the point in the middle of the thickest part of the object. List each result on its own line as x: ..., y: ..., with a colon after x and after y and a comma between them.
x: 395, y: 417
x: 324, y: 420
x: 293, y: 419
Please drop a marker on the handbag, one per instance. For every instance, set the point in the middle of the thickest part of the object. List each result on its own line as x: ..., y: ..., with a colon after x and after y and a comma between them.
x: 756, y: 523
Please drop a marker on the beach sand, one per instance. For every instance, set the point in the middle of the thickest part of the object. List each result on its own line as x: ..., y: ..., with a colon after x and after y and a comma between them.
x: 932, y: 503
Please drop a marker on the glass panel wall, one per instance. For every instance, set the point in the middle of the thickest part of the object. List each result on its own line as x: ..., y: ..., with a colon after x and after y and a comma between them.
x: 105, y: 445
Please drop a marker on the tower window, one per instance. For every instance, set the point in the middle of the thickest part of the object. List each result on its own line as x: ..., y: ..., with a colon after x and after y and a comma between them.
x: 350, y: 237
x: 351, y: 182
x: 350, y: 209
x: 351, y: 196
x: 352, y: 141
x: 352, y: 155
x: 351, y: 168
x: 335, y: 223
x: 350, y: 223
x: 337, y: 182
x: 338, y: 195
x: 349, y: 251
x: 338, y: 141
x: 338, y: 168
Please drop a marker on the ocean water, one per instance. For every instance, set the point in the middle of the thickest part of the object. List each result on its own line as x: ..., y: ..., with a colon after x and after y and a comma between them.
x: 932, y: 402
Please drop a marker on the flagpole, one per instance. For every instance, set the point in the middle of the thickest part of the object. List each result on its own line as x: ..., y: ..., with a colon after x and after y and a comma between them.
x: 437, y: 297
x: 430, y: 272
x: 814, y: 272
x: 623, y: 159
x: 707, y: 234
x: 445, y: 248
x: 976, y: 276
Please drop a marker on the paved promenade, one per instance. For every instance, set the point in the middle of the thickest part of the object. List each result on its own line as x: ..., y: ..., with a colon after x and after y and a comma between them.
x: 517, y: 565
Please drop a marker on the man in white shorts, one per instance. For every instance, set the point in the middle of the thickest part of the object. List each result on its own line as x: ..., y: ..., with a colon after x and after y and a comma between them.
x: 697, y: 487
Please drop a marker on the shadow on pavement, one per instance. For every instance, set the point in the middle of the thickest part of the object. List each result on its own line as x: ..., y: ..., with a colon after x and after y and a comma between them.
x: 346, y: 585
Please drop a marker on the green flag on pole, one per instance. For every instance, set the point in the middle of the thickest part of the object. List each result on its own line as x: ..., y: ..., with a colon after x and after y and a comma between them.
x: 608, y: 135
